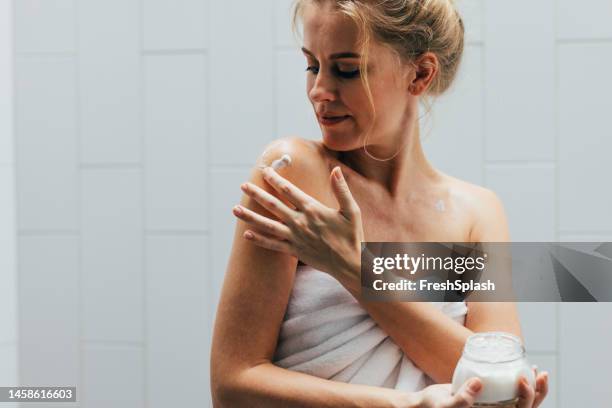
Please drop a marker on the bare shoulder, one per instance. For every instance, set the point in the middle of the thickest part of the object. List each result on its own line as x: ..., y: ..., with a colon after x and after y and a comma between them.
x: 309, y: 168
x: 484, y: 208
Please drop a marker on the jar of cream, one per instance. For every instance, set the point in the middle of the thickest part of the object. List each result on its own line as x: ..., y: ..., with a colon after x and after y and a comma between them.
x: 499, y: 360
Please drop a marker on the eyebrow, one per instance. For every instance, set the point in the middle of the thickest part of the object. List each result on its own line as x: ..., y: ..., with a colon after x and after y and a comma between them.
x: 337, y: 55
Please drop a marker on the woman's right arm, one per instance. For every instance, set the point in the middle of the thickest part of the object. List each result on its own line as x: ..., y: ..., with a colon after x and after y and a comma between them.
x: 256, y: 289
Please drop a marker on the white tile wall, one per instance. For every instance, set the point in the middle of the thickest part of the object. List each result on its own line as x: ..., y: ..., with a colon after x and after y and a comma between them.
x: 112, y: 255
x: 284, y: 35
x: 48, y: 310
x: 137, y: 120
x: 178, y: 321
x: 6, y: 83
x: 472, y: 13
x: 45, y: 25
x: 584, y: 20
x: 454, y: 123
x: 109, y: 81
x: 113, y: 376
x: 294, y: 113
x: 9, y: 369
x: 46, y: 109
x: 242, y: 64
x: 519, y: 80
x: 585, y: 335
x: 176, y: 151
x: 9, y: 336
x: 585, y: 138
x: 531, y: 214
x: 539, y: 326
x: 175, y: 25
x: 8, y: 262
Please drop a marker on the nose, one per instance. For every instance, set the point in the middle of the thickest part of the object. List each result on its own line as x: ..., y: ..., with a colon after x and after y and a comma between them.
x: 323, y: 89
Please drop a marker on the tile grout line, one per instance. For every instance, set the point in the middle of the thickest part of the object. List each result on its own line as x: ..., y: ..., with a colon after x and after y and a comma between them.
x: 590, y: 40
x: 521, y: 163
x: 143, y: 207
x: 112, y: 344
x: 79, y: 188
x: 170, y: 51
x: 557, y: 208
x: 483, y: 94
x: 602, y: 233
x: 209, y: 280
x: 178, y: 232
x: 46, y: 232
x: 274, y: 74
x: 15, y: 167
x: 209, y: 179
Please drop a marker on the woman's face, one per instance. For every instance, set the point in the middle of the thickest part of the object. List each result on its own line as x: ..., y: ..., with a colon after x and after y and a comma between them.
x: 334, y: 86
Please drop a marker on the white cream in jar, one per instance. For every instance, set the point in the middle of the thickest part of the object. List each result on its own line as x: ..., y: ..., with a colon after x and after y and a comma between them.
x: 499, y: 360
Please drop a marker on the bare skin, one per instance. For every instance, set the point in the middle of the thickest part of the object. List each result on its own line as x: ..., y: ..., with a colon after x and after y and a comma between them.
x: 257, y: 287
x: 397, y: 201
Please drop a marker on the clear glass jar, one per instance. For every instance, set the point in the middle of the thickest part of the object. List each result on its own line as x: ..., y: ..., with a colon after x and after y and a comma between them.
x: 499, y: 360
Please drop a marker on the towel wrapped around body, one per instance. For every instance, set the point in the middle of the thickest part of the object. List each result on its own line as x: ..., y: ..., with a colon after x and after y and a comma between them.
x: 328, y: 334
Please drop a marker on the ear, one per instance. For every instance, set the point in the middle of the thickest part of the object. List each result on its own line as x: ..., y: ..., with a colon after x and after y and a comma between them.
x: 425, y: 69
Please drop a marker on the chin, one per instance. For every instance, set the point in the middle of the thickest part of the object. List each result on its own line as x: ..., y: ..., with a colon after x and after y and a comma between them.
x: 339, y: 142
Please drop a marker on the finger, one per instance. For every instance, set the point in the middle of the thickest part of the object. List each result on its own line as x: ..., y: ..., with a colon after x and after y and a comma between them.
x: 526, y: 394
x: 296, y: 196
x: 268, y: 242
x: 268, y: 201
x: 267, y: 225
x: 467, y: 394
x: 348, y: 205
x: 541, y: 389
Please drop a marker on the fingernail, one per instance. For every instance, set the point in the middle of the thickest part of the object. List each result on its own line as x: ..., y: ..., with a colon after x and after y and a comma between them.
x: 248, y: 235
x: 475, y: 385
x: 237, y: 209
x: 243, y: 187
x: 338, y: 173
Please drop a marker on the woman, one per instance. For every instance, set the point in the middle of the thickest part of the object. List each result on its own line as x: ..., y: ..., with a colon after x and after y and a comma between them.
x: 369, y: 64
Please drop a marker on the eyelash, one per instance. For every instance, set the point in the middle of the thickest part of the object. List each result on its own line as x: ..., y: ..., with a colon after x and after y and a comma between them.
x: 338, y: 72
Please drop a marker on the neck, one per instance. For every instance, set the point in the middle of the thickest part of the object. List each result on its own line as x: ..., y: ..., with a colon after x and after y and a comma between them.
x: 398, y: 175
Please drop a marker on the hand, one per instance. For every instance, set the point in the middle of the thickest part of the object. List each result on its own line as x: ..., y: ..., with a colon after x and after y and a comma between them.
x: 325, y: 238
x: 440, y: 396
x: 530, y: 398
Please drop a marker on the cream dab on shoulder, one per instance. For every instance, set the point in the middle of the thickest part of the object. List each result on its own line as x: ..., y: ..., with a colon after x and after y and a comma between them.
x: 284, y: 161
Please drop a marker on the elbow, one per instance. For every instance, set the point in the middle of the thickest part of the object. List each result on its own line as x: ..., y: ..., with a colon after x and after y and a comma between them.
x: 220, y: 395
x: 217, y: 390
x: 221, y: 384
x: 223, y: 392
x: 230, y: 389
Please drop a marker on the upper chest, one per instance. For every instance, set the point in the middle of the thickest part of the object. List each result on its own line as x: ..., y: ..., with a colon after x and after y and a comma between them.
x: 427, y: 218
x: 440, y: 214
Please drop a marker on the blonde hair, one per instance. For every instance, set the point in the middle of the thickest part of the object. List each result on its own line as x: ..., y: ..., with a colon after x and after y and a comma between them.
x: 409, y: 28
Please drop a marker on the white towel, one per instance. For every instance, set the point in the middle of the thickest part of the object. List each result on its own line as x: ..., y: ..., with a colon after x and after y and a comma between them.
x: 326, y: 333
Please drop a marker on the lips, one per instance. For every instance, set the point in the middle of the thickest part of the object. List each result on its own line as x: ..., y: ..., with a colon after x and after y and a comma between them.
x: 329, y: 120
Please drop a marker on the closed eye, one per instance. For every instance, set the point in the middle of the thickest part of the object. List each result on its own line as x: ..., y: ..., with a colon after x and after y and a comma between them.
x: 347, y: 74
x: 313, y: 69
x: 338, y: 72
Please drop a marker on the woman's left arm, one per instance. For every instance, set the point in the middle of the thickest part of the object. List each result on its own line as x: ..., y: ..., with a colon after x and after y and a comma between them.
x: 491, y: 226
x: 431, y: 339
